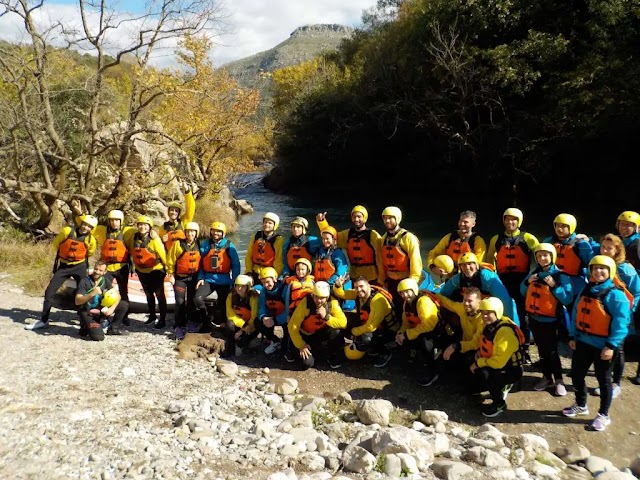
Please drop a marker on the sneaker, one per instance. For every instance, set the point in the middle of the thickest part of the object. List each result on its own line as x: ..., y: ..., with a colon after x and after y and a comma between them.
x: 617, y: 390
x: 561, y: 390
x: 105, y: 324
x: 159, y: 325
x: 37, y: 326
x: 382, y: 360
x: 596, y: 392
x: 289, y: 357
x: 493, y: 409
x: 574, y: 410
x: 428, y: 379
x: 150, y: 320
x: 506, y: 389
x: 179, y: 333
x: 542, y: 385
x: 334, y: 363
x: 193, y: 327
x: 600, y: 423
x: 272, y: 348
x: 115, y: 330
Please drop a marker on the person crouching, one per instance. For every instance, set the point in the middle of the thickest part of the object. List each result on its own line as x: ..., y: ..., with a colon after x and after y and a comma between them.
x: 242, y: 310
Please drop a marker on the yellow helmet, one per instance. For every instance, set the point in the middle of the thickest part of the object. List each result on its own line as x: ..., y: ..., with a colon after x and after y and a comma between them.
x: 492, y: 304
x: 408, y: 284
x: 192, y: 226
x: 607, y: 262
x: 322, y: 289
x: 393, y: 212
x: 175, y: 204
x: 110, y: 297
x: 330, y: 230
x: 468, y: 257
x: 145, y: 219
x: 302, y: 222
x: 244, y: 280
x: 306, y: 262
x: 362, y: 210
x: 89, y: 220
x: 567, y: 219
x: 444, y: 262
x: 629, y: 216
x: 273, y: 217
x: 116, y: 215
x: 514, y: 212
x: 547, y: 247
x: 267, y: 272
x: 219, y: 226
x: 352, y: 352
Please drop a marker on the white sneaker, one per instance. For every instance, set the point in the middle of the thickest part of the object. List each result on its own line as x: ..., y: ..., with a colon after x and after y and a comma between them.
x: 617, y: 390
x: 37, y: 326
x: 561, y: 390
x: 272, y: 347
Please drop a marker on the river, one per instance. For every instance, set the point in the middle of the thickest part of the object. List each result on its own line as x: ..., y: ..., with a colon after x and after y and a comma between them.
x: 427, y: 216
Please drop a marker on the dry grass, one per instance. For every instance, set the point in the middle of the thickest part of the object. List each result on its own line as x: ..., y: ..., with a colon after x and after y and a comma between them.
x: 207, y: 212
x: 29, y: 264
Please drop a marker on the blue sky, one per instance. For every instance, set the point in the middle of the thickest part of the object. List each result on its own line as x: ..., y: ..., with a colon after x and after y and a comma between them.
x: 252, y: 25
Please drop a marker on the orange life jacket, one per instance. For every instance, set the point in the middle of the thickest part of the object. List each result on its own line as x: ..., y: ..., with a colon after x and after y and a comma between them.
x: 241, y: 306
x: 217, y: 260
x: 323, y: 267
x: 457, y: 246
x: 394, y: 259
x: 313, y: 322
x: 188, y: 262
x: 512, y: 254
x: 540, y: 301
x: 298, y: 290
x: 142, y: 256
x: 296, y: 252
x: 263, y: 250
x: 174, y: 232
x: 360, y: 251
x: 73, y: 248
x: 411, y: 308
x: 567, y: 259
x: 365, y: 309
x: 489, y: 335
x: 114, y: 249
x: 274, y: 300
x: 591, y: 316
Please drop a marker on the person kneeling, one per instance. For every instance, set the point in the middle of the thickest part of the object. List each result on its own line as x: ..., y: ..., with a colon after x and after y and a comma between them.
x: 498, y: 362
x: 97, y: 302
x: 242, y: 310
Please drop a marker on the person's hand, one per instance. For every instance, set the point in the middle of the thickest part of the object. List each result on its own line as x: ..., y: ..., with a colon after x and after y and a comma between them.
x: 572, y: 344
x: 582, y: 236
x: 268, y: 322
x: 606, y: 354
x: 97, y: 290
x: 305, y: 352
x: 171, y: 279
x: 550, y: 281
x: 473, y: 367
x: 199, y: 284
x: 322, y: 311
x: 400, y: 338
x: 238, y: 334
x: 321, y: 216
x: 186, y: 187
x: 153, y: 234
x: 450, y: 350
x: 438, y: 271
x: 338, y: 283
x: 165, y: 237
x: 533, y: 278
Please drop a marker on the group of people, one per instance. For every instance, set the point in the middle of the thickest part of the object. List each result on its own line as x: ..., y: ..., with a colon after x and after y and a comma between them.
x: 359, y: 295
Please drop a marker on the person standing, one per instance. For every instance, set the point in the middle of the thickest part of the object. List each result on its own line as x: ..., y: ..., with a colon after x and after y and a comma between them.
x: 299, y: 245
x: 173, y: 229
x: 265, y: 248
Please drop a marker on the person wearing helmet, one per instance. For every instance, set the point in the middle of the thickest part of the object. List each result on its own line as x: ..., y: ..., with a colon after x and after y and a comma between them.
x: 242, y: 310
x: 498, y: 364
x: 359, y: 242
x: 628, y: 280
x: 73, y: 246
x: 462, y: 240
x: 272, y: 308
x: 183, y: 268
x: 299, y: 245
x: 599, y: 324
x: 149, y: 259
x: 95, y: 313
x: 443, y: 269
x: 330, y: 264
x: 374, y: 323
x: 297, y: 287
x: 398, y: 254
x: 511, y: 252
x: 628, y: 224
x: 547, y: 291
x: 265, y: 248
x: 472, y: 274
x: 173, y: 229
x: 219, y: 268
x: 315, y: 328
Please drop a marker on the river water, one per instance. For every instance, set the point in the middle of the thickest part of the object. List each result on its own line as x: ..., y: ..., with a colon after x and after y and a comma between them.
x: 427, y: 216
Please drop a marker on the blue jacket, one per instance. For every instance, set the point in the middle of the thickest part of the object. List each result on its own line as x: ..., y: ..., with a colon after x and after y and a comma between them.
x: 278, y: 293
x: 490, y: 284
x: 563, y: 291
x: 220, y: 278
x: 631, y: 279
x: 314, y: 245
x: 616, y: 304
x: 339, y: 260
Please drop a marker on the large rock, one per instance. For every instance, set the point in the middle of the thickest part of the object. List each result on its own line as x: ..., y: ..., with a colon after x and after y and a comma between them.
x: 573, y: 453
x: 374, y: 411
x: 403, y: 440
x: 358, y: 460
x: 450, y: 470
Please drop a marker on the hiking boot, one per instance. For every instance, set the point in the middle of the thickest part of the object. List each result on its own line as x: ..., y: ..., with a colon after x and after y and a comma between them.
x: 290, y: 357
x: 159, y: 325
x: 493, y: 409
x: 382, y: 360
x: 574, y: 410
x: 179, y: 333
x: 617, y: 390
x: 560, y: 389
x: 37, y: 326
x: 428, y: 379
x: 542, y: 385
x: 272, y: 348
x: 600, y: 423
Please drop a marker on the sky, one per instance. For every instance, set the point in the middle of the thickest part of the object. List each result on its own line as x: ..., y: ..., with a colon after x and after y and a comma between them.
x: 251, y: 26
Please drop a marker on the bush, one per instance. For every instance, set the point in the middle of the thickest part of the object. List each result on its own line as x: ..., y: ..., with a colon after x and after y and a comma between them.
x: 209, y: 211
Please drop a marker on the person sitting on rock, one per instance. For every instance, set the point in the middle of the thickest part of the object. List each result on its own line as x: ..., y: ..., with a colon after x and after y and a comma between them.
x: 316, y: 328
x: 272, y: 309
x: 98, y: 301
x: 242, y: 311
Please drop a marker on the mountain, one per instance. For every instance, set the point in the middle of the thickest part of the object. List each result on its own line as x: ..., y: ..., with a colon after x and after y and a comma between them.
x: 303, y: 44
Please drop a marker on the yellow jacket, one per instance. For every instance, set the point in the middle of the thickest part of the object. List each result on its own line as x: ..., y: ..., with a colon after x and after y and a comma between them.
x: 337, y: 319
x: 100, y: 232
x: 278, y: 262
x: 531, y: 241
x: 472, y: 325
x: 410, y: 244
x: 380, y: 309
x: 370, y: 272
x: 173, y: 255
x: 90, y: 242
x: 232, y: 316
x: 186, y: 216
x: 155, y: 245
x: 505, y: 346
x: 479, y: 248
x: 428, y: 315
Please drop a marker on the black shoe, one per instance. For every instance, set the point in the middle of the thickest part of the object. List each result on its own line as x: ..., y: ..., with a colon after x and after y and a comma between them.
x: 126, y: 322
x: 636, y: 380
x: 493, y: 410
x: 289, y: 357
x: 115, y: 330
x: 150, y: 320
x: 382, y: 360
x: 334, y: 363
x: 84, y: 332
x: 159, y: 325
x: 428, y: 379
x: 526, y: 359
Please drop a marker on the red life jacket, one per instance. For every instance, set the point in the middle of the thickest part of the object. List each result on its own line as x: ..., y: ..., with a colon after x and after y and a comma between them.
x: 241, y: 306
x: 142, y: 256
x: 512, y: 254
x: 323, y: 267
x: 295, y: 252
x: 540, y: 301
x: 73, y: 248
x: 114, y: 249
x: 263, y: 250
x: 313, y: 322
x: 217, y: 260
x: 298, y: 290
x: 188, y: 262
x: 274, y: 300
x: 394, y: 259
x: 591, y: 315
x: 360, y: 250
x: 457, y: 246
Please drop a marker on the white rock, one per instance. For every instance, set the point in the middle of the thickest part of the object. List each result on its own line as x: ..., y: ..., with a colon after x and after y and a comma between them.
x: 128, y: 372
x: 432, y: 417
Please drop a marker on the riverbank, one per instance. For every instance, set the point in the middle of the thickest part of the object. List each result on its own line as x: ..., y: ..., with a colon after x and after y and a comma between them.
x: 113, y: 409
